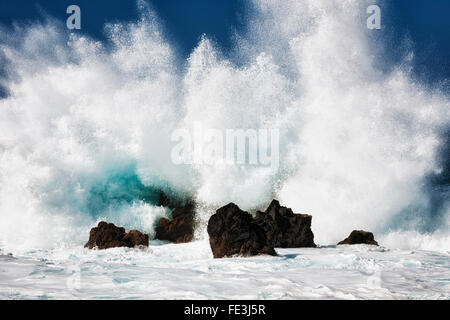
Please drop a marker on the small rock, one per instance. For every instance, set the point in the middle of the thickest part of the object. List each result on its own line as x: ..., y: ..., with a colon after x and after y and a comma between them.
x: 107, y: 235
x: 135, y: 238
x: 181, y: 228
x: 358, y: 237
x: 234, y: 232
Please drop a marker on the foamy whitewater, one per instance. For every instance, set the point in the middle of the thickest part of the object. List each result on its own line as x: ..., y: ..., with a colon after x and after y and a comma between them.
x: 85, y: 135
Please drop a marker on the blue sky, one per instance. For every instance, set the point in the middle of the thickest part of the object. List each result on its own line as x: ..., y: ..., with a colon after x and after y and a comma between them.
x: 425, y: 22
x: 184, y: 20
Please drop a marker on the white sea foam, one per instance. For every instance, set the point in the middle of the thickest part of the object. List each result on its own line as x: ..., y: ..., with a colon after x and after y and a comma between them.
x: 188, y: 271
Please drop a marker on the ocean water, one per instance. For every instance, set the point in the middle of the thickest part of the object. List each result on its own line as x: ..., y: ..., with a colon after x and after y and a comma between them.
x: 85, y: 135
x: 188, y: 271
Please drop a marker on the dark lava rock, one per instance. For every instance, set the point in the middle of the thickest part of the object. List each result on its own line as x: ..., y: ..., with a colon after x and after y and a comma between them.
x: 181, y: 228
x: 360, y: 236
x: 136, y: 238
x: 234, y: 232
x: 284, y: 229
x: 107, y: 235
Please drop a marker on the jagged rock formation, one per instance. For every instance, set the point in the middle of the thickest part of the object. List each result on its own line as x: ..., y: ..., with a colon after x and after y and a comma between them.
x: 285, y: 229
x: 234, y: 232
